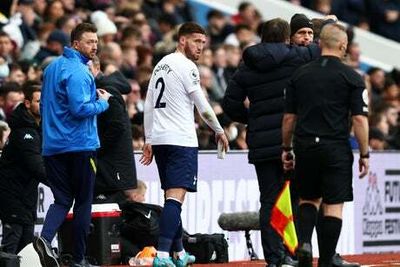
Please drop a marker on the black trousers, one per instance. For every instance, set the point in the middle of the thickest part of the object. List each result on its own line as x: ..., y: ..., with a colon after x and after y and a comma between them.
x: 16, y: 237
x: 270, y: 182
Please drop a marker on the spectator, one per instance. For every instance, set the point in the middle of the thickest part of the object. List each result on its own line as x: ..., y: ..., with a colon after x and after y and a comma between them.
x: 106, y: 29
x: 242, y: 36
x: 67, y: 23
x: 246, y: 15
x: 129, y: 63
x: 385, y: 18
x: 4, y: 70
x: 391, y: 93
x: 137, y: 137
x: 233, y: 57
x: 206, y: 58
x: 55, y: 44
x: 111, y: 52
x: 54, y: 11
x: 379, y: 120
x: 218, y: 27
x: 392, y: 115
x: 13, y: 95
x: 377, y: 80
x: 16, y: 74
x: 6, y: 47
x: 135, y: 103
x: 209, y: 84
x: 220, y: 63
x: 377, y: 140
x: 131, y: 37
x: 4, y: 133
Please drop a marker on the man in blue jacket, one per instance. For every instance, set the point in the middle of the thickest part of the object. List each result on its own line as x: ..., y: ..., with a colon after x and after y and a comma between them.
x: 69, y: 107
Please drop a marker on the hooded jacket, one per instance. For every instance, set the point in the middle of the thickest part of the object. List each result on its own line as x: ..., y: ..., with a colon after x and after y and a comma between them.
x: 116, y: 168
x: 21, y: 169
x: 69, y: 105
x: 262, y: 77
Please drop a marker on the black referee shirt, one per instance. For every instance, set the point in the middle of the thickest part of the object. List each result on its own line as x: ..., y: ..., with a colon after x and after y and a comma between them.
x: 322, y: 94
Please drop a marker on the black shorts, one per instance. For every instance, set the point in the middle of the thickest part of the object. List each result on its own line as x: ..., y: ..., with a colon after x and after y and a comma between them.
x: 324, y: 169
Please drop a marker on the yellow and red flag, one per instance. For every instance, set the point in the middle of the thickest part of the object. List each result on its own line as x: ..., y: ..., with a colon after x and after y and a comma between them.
x: 282, y: 219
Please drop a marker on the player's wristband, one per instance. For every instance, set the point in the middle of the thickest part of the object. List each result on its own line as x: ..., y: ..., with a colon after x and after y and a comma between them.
x: 365, y: 156
x: 287, y: 148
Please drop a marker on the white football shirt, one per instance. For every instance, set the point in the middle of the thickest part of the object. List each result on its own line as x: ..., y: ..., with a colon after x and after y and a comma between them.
x: 171, y: 83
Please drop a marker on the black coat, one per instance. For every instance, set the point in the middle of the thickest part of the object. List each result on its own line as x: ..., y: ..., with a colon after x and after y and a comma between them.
x: 262, y: 77
x: 115, y: 160
x: 21, y: 169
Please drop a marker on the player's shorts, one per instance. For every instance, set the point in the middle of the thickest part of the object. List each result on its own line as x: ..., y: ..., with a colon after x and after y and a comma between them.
x: 324, y: 169
x: 177, y: 166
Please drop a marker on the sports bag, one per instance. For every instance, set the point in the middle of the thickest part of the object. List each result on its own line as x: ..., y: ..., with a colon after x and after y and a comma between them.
x: 207, y: 248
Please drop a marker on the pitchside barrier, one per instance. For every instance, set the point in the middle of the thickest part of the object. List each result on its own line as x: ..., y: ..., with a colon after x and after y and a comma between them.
x: 370, y: 224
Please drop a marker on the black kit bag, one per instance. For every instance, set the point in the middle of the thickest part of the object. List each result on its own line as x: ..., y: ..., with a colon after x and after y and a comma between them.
x: 207, y: 248
x: 140, y: 223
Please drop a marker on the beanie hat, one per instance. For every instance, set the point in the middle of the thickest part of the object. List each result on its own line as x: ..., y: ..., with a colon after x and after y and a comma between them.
x: 59, y: 36
x: 103, y: 24
x: 299, y: 21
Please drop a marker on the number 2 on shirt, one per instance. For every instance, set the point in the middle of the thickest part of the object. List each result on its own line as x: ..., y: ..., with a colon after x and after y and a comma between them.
x: 160, y: 104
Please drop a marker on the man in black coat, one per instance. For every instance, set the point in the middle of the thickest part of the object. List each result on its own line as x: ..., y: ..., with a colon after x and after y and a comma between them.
x: 262, y: 77
x: 116, y: 170
x: 21, y: 170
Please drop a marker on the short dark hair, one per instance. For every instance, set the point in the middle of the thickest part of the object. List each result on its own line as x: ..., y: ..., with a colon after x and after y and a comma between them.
x: 372, y: 70
x: 241, y: 26
x: 9, y: 87
x: 76, y: 33
x: 4, y: 34
x: 214, y: 13
x: 275, y: 31
x: 243, y: 5
x: 29, y: 88
x: 189, y: 28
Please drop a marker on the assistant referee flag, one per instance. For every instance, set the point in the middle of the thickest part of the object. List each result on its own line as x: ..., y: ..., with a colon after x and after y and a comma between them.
x: 282, y: 219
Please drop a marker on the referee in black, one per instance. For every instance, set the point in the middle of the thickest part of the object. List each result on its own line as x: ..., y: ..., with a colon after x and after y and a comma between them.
x: 319, y: 100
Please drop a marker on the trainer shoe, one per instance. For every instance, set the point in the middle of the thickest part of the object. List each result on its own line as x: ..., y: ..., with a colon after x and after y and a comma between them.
x: 163, y: 262
x: 46, y: 254
x: 289, y: 262
x: 185, y: 261
x: 304, y: 254
x: 338, y: 261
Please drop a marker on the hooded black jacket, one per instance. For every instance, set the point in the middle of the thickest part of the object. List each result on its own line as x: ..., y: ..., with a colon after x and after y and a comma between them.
x: 116, y: 168
x: 262, y: 77
x: 21, y: 169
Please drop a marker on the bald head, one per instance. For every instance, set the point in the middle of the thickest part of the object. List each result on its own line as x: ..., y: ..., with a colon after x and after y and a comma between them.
x: 333, y: 40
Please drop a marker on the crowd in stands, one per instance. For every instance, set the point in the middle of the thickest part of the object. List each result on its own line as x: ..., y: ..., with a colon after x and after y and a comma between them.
x: 379, y: 16
x: 135, y: 35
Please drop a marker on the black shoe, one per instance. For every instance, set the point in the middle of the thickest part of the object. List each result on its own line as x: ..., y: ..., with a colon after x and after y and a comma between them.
x: 272, y: 265
x: 338, y: 261
x: 84, y: 263
x: 46, y: 254
x: 304, y: 254
x: 289, y: 262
